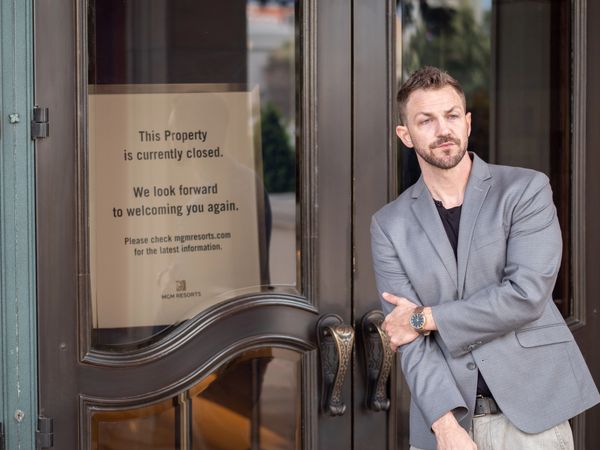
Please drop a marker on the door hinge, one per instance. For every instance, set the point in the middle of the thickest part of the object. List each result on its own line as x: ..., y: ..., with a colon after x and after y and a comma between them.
x: 2, y: 442
x: 44, y: 436
x: 40, y: 126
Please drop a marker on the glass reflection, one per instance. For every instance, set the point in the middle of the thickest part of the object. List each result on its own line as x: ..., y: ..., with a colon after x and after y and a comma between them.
x: 254, y: 403
x: 532, y: 107
x: 146, y: 428
x: 272, y: 55
x: 192, y: 134
x: 513, y: 59
x: 454, y: 35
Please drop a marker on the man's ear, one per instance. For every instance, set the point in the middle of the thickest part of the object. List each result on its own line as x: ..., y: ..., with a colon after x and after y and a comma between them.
x: 404, y: 135
x: 468, y: 119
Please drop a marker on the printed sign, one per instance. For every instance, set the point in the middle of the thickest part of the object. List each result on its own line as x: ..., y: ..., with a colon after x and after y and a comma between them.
x: 175, y: 203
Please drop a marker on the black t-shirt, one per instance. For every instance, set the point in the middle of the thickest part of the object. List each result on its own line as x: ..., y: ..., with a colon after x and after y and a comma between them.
x: 451, y: 221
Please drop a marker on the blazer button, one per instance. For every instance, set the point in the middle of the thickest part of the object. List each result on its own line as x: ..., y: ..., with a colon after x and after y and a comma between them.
x: 471, y: 366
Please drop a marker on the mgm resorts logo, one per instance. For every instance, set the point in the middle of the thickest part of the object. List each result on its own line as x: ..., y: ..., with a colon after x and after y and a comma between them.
x: 181, y: 291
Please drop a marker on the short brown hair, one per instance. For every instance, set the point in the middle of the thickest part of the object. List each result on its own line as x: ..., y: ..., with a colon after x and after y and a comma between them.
x: 427, y: 77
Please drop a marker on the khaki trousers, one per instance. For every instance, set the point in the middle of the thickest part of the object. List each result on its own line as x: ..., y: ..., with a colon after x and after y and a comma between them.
x: 495, y: 432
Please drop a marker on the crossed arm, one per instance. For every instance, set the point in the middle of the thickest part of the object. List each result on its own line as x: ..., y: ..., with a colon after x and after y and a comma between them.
x: 533, y: 255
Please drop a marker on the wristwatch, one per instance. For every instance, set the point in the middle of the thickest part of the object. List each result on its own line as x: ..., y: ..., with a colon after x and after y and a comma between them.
x: 417, y: 320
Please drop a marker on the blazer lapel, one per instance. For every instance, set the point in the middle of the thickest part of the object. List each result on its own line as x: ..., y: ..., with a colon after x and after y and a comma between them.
x: 477, y: 188
x: 426, y: 212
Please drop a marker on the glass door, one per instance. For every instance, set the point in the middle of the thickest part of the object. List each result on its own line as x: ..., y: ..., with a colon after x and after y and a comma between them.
x: 197, y: 277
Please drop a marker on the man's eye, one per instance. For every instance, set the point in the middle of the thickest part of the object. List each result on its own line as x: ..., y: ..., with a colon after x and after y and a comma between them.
x: 453, y: 116
x: 424, y: 121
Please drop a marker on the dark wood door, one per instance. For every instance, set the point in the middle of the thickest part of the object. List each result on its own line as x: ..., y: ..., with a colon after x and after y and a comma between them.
x: 589, y: 335
x: 241, y: 367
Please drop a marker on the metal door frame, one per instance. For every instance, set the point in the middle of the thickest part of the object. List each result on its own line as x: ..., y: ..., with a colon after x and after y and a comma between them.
x: 18, y: 399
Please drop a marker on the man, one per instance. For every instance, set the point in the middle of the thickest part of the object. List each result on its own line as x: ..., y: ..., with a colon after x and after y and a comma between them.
x: 466, y: 260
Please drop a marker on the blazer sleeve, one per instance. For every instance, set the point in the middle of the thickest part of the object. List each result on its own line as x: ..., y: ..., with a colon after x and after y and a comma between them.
x: 425, y: 369
x: 533, y: 255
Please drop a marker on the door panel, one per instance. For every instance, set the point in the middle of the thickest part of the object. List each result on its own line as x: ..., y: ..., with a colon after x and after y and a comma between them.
x: 374, y: 184
x: 226, y: 357
x: 254, y: 399
x: 522, y: 65
x: 190, y: 162
x: 589, y: 336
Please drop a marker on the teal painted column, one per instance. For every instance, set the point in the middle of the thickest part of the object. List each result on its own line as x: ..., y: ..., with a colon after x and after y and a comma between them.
x: 18, y: 371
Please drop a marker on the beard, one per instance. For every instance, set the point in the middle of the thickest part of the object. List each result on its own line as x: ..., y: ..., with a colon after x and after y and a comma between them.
x: 447, y: 160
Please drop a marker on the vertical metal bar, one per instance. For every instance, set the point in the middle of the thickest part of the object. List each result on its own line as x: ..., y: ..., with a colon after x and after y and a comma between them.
x: 374, y: 161
x: 18, y: 369
x: 255, y: 415
x: 183, y: 421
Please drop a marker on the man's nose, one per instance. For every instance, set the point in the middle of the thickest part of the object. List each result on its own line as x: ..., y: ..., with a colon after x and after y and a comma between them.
x: 442, y: 128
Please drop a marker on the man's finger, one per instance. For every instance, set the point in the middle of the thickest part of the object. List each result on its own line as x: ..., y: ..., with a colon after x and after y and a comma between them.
x: 390, y: 298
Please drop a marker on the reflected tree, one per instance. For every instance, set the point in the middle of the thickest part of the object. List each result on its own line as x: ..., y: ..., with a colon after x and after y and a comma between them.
x: 458, y: 40
x: 279, y: 164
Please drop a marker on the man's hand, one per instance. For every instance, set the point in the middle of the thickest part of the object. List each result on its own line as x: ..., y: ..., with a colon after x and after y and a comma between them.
x: 450, y: 435
x: 396, y: 324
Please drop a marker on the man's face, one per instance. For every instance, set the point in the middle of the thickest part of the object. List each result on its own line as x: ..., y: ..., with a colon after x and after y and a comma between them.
x: 437, y: 127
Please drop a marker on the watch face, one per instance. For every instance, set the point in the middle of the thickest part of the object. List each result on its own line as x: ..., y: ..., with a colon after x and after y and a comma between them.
x: 417, y: 321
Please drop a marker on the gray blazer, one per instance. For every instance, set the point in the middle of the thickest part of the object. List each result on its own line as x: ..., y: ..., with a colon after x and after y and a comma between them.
x: 493, y: 309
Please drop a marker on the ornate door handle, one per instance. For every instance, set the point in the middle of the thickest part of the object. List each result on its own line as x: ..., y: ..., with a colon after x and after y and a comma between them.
x: 378, y: 360
x: 335, y: 342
